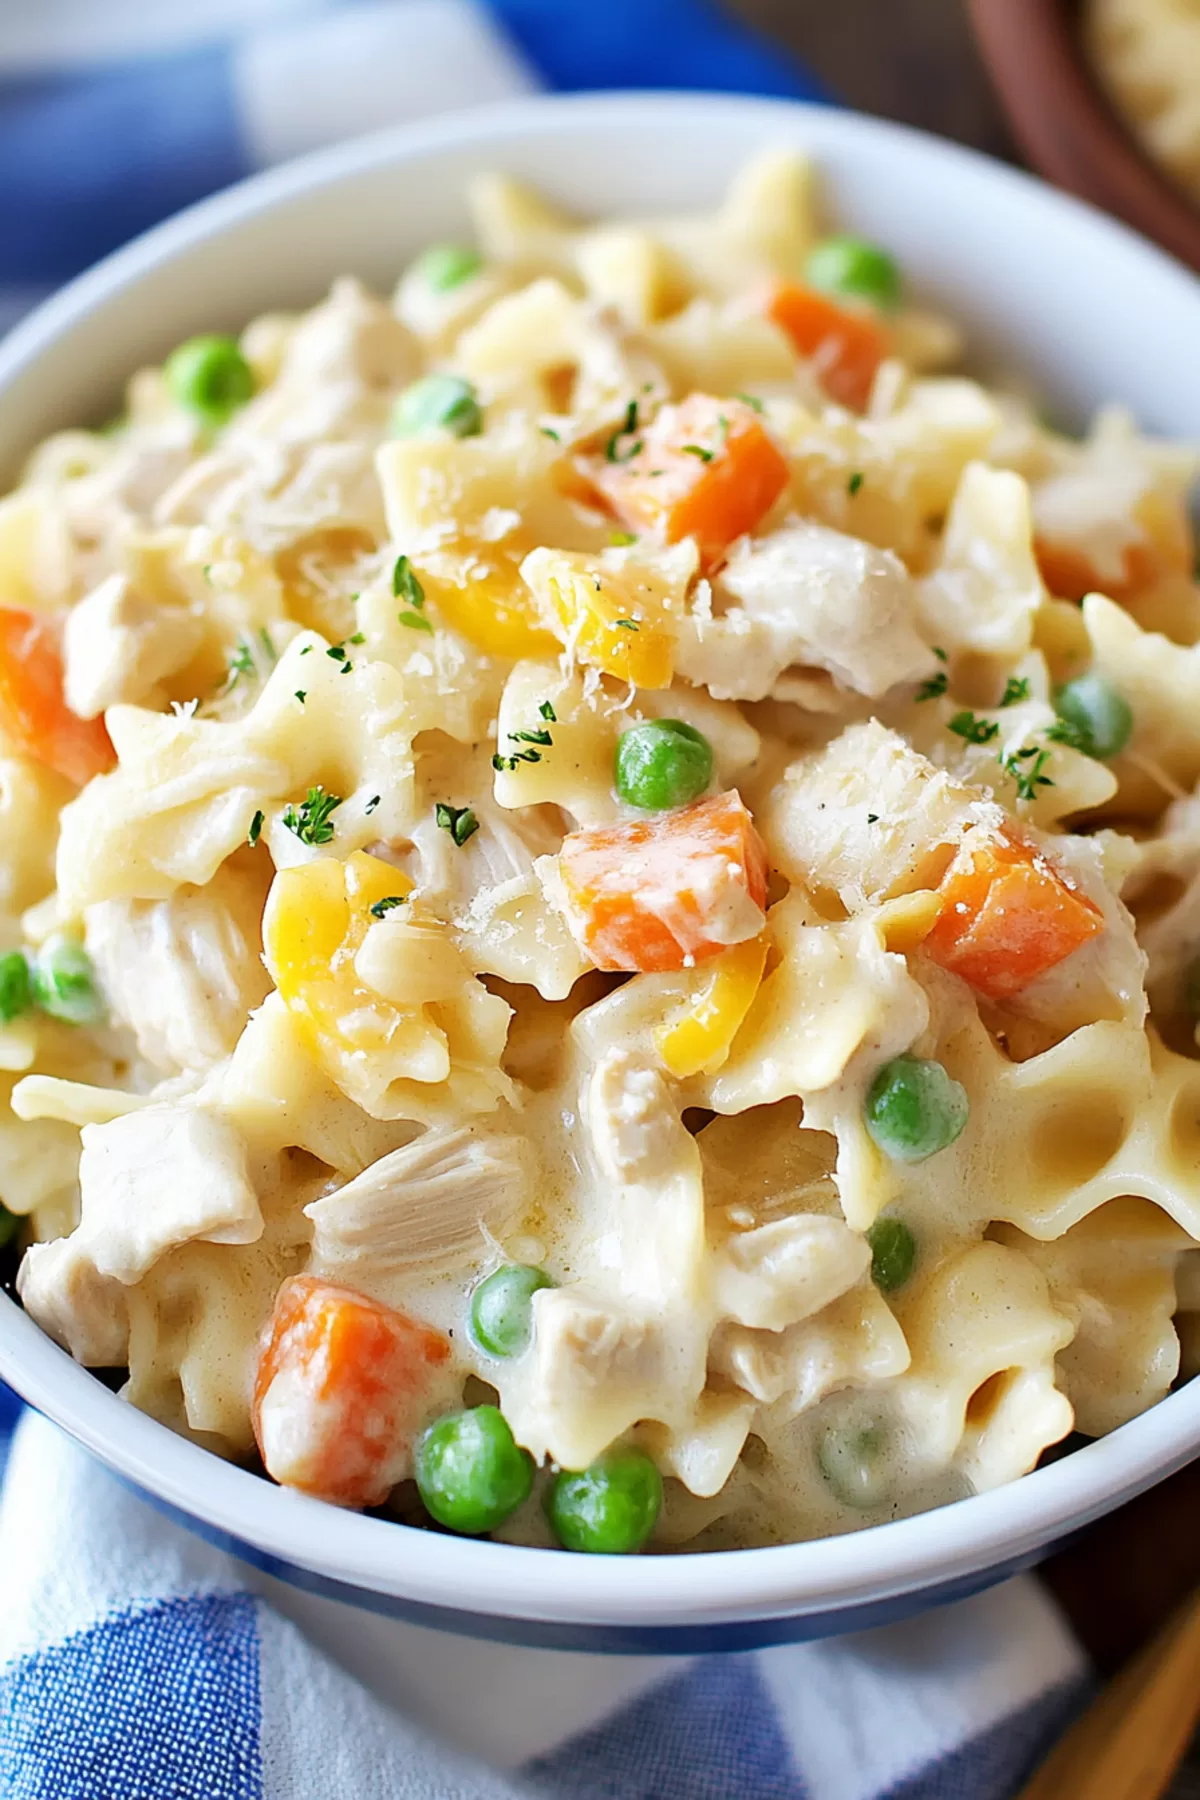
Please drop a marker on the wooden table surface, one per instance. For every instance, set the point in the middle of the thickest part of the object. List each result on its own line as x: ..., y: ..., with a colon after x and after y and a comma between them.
x: 912, y: 60
x: 916, y: 61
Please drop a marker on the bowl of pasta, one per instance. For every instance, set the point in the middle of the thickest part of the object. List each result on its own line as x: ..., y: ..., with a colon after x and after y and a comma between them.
x: 600, y: 876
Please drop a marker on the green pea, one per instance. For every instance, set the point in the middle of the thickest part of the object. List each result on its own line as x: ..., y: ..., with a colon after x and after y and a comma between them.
x: 609, y: 1508
x: 438, y: 403
x: 470, y: 1471
x: 893, y: 1253
x: 446, y: 266
x: 1098, y: 718
x: 914, y: 1109
x: 850, y: 1455
x: 501, y: 1309
x: 16, y: 986
x: 210, y: 377
x: 662, y: 763
x: 64, y: 983
x: 850, y: 265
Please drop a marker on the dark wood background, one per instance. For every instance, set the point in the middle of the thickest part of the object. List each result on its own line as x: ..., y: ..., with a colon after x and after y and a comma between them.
x: 916, y: 61
x: 912, y: 60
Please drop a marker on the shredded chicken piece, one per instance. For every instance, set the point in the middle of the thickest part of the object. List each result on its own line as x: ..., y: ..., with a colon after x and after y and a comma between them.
x: 806, y: 597
x: 118, y: 645
x: 430, y: 1202
x: 184, y: 972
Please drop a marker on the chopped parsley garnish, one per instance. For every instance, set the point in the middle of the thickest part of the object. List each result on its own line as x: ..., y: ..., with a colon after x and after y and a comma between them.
x: 301, y: 695
x: 939, y: 653
x: 855, y: 482
x: 546, y: 431
x: 518, y: 756
x: 626, y: 624
x: 935, y: 687
x: 626, y: 428
x: 244, y: 660
x: 547, y: 711
x: 1015, y: 688
x: 975, y: 730
x: 621, y: 538
x: 372, y: 803
x: 872, y: 818
x: 338, y: 652
x: 255, y: 832
x: 750, y: 400
x: 697, y: 450
x: 379, y: 907
x: 311, y: 821
x: 405, y: 585
x: 1064, y: 731
x: 360, y: 637
x: 459, y: 821
x: 307, y: 650
x: 540, y: 736
x: 240, y: 663
x: 1027, y: 774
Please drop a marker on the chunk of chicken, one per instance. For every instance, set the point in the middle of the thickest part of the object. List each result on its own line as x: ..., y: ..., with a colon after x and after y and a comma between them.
x: 869, y: 817
x: 628, y: 1341
x: 850, y: 1343
x: 645, y: 1154
x: 118, y: 645
x: 597, y: 1369
x: 184, y: 972
x: 159, y: 1177
x: 84, y: 1311
x: 429, y: 1202
x: 806, y: 597
x: 782, y: 1272
x: 341, y: 367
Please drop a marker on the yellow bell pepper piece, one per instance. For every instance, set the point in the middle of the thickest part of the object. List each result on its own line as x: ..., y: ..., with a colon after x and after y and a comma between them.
x: 493, y: 610
x: 611, y: 620
x: 699, y: 1042
x: 317, y: 915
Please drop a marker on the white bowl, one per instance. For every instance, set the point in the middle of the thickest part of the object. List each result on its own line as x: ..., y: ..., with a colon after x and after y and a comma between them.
x: 1045, y: 285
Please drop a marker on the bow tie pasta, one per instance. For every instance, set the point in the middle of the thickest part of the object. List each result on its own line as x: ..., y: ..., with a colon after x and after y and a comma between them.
x: 601, y: 894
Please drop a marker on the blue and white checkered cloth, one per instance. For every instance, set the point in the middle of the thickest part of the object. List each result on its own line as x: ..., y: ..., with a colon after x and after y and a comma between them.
x: 137, y: 1663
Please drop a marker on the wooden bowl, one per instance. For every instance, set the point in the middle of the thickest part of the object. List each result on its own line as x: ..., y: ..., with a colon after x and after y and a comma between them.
x: 1066, y: 126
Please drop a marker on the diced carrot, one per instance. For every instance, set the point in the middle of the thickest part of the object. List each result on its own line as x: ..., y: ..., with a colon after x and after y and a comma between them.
x: 705, y: 469
x: 342, y: 1383
x: 1164, y: 545
x: 1007, y: 916
x: 845, y: 346
x: 669, y: 892
x: 1069, y: 573
x: 33, y: 714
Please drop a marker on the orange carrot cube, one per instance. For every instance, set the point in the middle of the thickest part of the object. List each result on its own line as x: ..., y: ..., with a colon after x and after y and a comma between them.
x: 1007, y: 916
x: 704, y: 469
x: 667, y: 893
x: 33, y: 714
x: 342, y: 1384
x: 845, y: 345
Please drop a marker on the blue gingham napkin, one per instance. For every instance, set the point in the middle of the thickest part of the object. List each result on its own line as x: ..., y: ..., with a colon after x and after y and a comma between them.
x: 136, y: 1662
